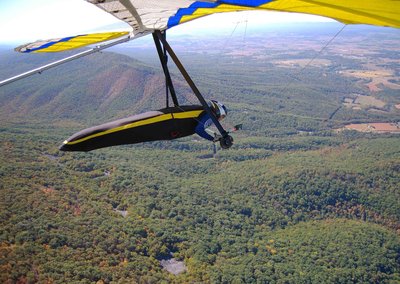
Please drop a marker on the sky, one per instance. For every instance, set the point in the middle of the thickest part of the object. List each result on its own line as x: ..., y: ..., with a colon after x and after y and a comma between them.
x: 23, y: 21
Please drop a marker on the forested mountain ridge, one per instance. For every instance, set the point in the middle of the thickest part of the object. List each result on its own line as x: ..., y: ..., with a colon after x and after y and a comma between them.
x: 294, y: 200
x: 100, y: 86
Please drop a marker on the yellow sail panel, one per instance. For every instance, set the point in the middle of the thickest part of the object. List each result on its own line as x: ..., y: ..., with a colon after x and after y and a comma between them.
x: 378, y: 13
x: 68, y: 43
x: 371, y: 12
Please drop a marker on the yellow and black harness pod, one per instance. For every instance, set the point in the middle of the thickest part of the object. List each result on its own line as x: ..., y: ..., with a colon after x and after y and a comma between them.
x: 164, y: 124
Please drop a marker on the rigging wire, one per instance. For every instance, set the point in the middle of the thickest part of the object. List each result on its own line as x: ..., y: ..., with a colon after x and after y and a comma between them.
x: 325, y: 46
x: 322, y: 49
x: 166, y: 80
x: 245, y: 32
x: 224, y: 47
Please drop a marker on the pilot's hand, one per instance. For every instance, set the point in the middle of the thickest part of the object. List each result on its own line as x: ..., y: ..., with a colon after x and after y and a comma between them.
x: 217, y: 137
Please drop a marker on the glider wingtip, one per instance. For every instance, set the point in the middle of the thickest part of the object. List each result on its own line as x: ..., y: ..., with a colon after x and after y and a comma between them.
x: 22, y: 49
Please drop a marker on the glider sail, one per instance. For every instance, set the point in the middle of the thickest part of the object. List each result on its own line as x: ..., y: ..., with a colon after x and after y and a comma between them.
x: 147, y: 16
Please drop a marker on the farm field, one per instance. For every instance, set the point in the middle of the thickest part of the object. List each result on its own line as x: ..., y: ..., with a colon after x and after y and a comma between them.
x: 375, y: 127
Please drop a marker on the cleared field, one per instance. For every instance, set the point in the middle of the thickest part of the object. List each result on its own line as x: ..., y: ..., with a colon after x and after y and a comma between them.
x: 369, y: 101
x: 377, y: 79
x: 361, y: 101
x: 302, y: 63
x: 375, y: 127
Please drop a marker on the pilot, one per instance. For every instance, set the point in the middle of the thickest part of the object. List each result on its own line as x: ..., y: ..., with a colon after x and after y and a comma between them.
x: 205, y: 121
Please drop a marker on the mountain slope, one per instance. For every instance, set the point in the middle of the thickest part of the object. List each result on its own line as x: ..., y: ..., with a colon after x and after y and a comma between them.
x: 100, y: 86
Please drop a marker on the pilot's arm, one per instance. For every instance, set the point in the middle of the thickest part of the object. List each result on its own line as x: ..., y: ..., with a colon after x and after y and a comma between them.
x: 203, y: 123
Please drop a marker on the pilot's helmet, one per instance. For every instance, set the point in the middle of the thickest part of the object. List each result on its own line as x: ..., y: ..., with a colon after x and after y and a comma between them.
x: 218, y: 109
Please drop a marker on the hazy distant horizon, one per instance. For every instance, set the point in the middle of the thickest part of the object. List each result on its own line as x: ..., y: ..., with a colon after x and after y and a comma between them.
x: 233, y: 28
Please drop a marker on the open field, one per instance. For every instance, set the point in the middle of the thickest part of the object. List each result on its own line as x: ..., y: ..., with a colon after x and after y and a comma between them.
x: 375, y: 127
x: 303, y: 63
x: 374, y: 79
x: 360, y: 102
